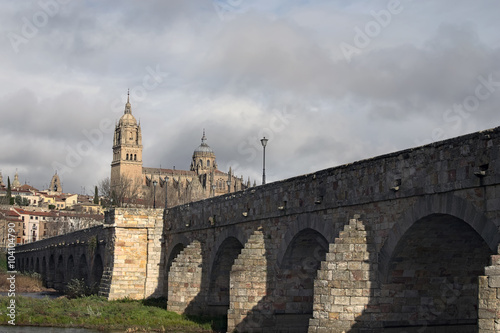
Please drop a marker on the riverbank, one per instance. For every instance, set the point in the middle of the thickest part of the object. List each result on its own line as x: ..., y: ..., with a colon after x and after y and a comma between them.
x: 25, y: 283
x: 98, y: 313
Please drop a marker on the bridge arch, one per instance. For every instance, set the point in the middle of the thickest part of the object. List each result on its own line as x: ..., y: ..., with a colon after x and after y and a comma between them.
x: 448, y: 204
x: 59, y: 276
x: 231, y: 232
x: 70, y: 268
x: 173, y: 253
x: 82, y: 272
x: 51, y: 271
x: 44, y: 271
x: 97, y: 270
x: 219, y: 288
x: 309, y: 221
x: 434, y: 269
x: 294, y: 294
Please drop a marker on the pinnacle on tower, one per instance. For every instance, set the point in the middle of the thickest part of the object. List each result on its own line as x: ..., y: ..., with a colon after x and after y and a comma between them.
x: 128, y: 107
x: 203, y: 138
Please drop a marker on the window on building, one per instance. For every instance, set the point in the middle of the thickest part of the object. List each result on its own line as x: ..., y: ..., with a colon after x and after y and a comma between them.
x: 135, y: 157
x: 31, y: 217
x: 36, y: 217
x: 127, y: 157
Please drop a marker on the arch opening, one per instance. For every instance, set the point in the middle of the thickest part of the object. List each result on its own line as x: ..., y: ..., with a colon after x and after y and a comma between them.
x: 51, y: 272
x: 432, y: 276
x: 218, y: 292
x: 59, y: 277
x: 97, y: 270
x: 173, y: 254
x: 44, y: 271
x: 70, y: 268
x: 295, y: 280
x: 82, y: 272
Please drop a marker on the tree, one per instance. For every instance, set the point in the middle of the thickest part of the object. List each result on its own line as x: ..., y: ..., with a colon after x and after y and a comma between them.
x: 9, y: 192
x: 96, y: 196
x: 126, y: 190
x: 20, y: 201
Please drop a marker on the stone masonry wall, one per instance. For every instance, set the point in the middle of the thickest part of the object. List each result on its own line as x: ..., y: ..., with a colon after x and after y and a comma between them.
x: 134, y: 256
x: 184, y: 280
x: 248, y: 281
x: 345, y: 282
x: 489, y: 297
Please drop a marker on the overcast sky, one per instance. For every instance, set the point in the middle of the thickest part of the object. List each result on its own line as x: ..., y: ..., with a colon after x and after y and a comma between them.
x: 328, y: 82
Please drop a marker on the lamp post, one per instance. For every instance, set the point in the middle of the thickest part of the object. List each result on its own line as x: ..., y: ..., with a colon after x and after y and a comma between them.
x: 228, y: 186
x: 154, y: 193
x: 213, y: 190
x: 264, y: 143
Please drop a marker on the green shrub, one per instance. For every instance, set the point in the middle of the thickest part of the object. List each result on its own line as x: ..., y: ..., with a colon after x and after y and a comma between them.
x: 78, y: 288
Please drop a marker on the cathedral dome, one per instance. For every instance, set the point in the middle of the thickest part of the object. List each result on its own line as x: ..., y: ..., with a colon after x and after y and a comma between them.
x: 128, y: 119
x: 203, y: 147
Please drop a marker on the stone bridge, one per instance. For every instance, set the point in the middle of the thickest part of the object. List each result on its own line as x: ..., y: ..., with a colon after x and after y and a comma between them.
x: 405, y: 242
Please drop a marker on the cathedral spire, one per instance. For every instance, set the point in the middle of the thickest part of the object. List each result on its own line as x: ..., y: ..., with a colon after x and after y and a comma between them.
x: 128, y: 107
x: 203, y: 138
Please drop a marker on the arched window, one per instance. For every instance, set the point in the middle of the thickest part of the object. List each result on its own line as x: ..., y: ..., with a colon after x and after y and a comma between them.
x: 208, y: 163
x: 135, y: 157
x: 127, y: 157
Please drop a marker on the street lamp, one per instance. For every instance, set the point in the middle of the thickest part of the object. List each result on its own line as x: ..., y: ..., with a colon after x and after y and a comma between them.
x: 264, y: 143
x: 154, y: 193
x: 228, y: 182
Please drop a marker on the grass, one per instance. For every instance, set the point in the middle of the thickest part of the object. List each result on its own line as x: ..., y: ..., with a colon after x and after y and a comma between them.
x: 98, y: 313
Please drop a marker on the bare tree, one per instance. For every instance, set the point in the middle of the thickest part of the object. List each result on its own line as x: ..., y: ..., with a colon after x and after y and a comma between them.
x: 104, y: 187
x: 125, y: 191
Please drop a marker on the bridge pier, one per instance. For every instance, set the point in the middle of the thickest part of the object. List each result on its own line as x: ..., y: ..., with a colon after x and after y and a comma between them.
x: 184, y: 281
x: 346, y: 282
x: 249, y: 310
x: 489, y: 297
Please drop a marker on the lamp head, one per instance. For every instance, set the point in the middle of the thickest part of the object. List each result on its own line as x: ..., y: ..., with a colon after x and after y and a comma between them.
x: 264, y: 141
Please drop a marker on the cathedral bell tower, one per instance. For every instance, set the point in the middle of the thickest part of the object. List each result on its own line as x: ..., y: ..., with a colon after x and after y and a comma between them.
x: 127, y: 149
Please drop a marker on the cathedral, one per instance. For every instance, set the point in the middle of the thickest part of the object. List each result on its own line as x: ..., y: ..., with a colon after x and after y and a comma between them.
x: 132, y: 183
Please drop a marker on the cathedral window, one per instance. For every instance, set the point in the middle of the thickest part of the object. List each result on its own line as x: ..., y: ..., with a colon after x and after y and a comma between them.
x: 135, y: 157
x: 127, y: 157
x: 208, y: 163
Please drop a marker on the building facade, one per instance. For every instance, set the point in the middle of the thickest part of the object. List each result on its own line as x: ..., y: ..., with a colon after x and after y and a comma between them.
x: 131, y: 182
